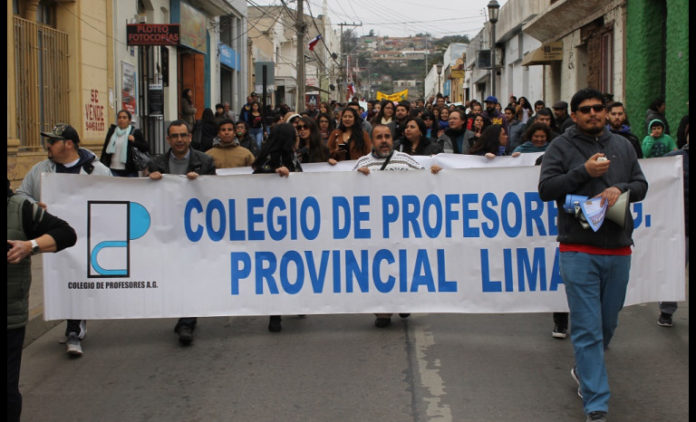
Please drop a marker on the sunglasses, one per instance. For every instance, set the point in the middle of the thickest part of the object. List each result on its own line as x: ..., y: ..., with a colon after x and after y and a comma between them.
x: 302, y: 127
x: 45, y: 142
x: 596, y: 107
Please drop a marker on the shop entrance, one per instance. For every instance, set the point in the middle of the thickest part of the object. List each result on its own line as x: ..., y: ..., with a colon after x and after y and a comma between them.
x: 191, y: 75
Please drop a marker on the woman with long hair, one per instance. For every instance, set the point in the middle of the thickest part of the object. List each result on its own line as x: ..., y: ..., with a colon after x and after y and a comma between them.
x: 480, y: 124
x: 535, y: 139
x: 349, y: 141
x: 324, y: 108
x: 278, y: 156
x: 443, y: 120
x: 414, y: 141
x: 278, y: 153
x: 492, y: 143
x: 432, y: 129
x: 385, y: 114
x: 310, y: 149
x: 527, y: 110
x: 188, y: 111
x: 120, y: 139
x: 255, y: 123
x: 326, y: 125
x: 209, y: 128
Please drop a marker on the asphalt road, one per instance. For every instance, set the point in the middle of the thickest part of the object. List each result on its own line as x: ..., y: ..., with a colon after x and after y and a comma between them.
x: 430, y: 367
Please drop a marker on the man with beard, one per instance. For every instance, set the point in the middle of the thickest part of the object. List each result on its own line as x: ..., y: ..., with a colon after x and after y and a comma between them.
x: 400, y: 116
x: 65, y: 155
x: 496, y: 117
x: 384, y: 157
x: 616, y: 123
x: 383, y: 150
x: 560, y: 113
x: 589, y: 160
x: 457, y: 138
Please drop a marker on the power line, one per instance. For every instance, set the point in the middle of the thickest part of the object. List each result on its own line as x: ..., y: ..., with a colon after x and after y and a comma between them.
x: 323, y: 42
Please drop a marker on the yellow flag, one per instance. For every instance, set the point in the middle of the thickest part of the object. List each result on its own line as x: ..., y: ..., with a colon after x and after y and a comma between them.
x: 398, y: 96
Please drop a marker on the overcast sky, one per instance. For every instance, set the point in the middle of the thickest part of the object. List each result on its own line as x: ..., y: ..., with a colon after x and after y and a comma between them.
x: 401, y: 18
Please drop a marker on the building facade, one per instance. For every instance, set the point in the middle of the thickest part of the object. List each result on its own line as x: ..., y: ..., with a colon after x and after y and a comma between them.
x: 73, y: 62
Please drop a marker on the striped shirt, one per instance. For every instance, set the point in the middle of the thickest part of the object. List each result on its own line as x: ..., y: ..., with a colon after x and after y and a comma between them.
x: 399, y: 161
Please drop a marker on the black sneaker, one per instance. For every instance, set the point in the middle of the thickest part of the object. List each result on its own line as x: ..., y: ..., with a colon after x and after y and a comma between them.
x: 274, y: 324
x: 596, y: 416
x: 576, y: 378
x: 559, y: 332
x: 382, y: 322
x: 185, y: 335
x: 404, y: 315
x: 665, y: 320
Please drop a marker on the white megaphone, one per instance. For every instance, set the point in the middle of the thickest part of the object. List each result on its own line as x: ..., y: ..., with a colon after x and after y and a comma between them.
x: 617, y: 212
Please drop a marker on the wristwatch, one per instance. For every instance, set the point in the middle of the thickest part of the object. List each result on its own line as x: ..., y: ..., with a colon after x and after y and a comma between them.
x: 35, y: 247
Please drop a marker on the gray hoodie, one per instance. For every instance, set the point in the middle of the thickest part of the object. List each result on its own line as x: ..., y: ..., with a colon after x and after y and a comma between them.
x: 563, y: 172
x: 31, y: 185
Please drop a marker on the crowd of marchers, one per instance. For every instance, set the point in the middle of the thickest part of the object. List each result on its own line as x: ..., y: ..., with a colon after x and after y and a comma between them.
x: 576, y: 140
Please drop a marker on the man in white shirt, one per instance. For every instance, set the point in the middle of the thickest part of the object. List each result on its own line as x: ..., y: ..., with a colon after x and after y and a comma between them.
x: 383, y: 157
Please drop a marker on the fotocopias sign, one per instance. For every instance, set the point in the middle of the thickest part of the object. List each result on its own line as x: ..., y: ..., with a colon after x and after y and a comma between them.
x: 152, y: 34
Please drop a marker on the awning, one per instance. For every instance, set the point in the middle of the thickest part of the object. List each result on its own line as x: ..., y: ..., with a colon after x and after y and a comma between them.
x: 546, y: 54
x: 315, y: 88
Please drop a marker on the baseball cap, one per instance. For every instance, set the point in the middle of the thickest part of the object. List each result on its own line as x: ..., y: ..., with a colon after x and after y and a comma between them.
x: 561, y: 105
x: 63, y: 131
x: 491, y: 99
x: 292, y: 117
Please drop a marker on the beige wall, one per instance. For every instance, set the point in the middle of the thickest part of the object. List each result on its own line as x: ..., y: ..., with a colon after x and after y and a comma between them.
x: 88, y: 24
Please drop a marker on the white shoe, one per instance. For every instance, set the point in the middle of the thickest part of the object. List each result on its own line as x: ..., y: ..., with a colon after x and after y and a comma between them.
x: 74, y: 348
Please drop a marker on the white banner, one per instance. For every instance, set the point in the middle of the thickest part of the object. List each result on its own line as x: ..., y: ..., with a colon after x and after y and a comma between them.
x: 472, y: 240
x: 453, y: 161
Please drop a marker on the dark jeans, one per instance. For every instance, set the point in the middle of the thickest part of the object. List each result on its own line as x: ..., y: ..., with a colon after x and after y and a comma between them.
x: 76, y: 326
x: 191, y: 322
x: 561, y: 319
x: 15, y: 341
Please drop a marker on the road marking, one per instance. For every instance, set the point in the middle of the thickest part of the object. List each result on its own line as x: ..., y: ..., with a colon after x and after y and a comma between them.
x: 429, y: 374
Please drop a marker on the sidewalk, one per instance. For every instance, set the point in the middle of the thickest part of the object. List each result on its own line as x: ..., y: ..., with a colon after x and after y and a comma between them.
x: 36, y: 326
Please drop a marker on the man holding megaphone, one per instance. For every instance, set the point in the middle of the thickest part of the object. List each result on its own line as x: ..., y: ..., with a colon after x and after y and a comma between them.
x: 590, y: 161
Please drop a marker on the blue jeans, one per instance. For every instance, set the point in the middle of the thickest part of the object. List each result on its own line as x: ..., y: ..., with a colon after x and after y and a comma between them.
x: 257, y: 134
x: 595, y: 287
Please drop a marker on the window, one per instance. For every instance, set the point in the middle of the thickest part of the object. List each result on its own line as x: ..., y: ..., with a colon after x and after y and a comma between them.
x: 606, y: 57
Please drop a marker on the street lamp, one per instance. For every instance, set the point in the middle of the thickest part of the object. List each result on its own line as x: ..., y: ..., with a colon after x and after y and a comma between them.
x: 493, y: 10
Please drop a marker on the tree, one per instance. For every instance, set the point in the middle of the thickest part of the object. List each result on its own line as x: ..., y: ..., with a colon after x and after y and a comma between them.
x: 349, y: 41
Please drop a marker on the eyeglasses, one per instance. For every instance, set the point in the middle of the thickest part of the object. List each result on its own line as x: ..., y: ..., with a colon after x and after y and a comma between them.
x: 302, y: 127
x: 179, y: 135
x: 596, y: 107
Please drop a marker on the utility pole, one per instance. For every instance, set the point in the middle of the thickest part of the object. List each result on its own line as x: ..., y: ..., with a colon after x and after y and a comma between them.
x: 345, y: 73
x: 301, y: 80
